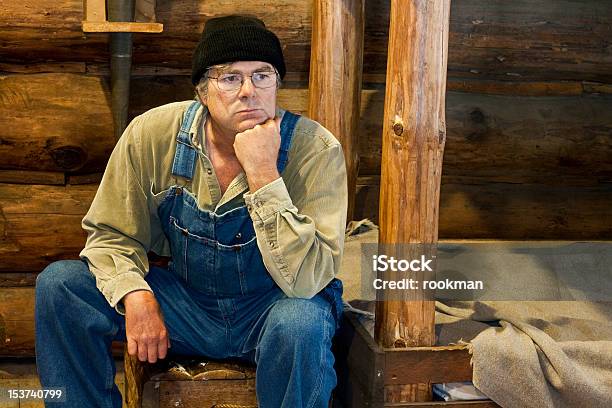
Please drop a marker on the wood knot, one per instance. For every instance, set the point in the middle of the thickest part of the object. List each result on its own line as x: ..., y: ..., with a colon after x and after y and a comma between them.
x: 398, y: 128
x: 477, y: 125
x: 69, y: 157
x: 477, y: 116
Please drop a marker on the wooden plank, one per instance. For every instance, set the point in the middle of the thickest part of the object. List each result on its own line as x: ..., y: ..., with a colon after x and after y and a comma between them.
x: 95, y: 10
x: 361, y: 361
x: 135, y: 377
x: 423, y: 364
x: 335, y: 78
x: 197, y: 394
x: 121, y: 27
x: 364, y: 385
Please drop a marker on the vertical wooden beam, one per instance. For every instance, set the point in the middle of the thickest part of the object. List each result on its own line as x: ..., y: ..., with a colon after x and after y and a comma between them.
x: 95, y: 10
x: 414, y: 133
x: 336, y: 64
x: 135, y: 373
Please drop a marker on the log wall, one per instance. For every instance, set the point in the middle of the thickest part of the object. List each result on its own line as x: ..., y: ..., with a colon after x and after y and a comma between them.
x: 528, y: 152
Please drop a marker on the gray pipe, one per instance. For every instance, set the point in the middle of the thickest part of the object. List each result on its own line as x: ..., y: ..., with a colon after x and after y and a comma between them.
x: 121, y: 63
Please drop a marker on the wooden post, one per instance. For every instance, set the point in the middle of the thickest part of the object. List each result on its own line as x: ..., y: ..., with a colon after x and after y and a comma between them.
x: 95, y: 10
x: 414, y: 133
x: 135, y: 373
x: 336, y: 63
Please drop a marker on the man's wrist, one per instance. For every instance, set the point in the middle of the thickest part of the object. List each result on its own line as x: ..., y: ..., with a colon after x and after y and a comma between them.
x: 136, y: 294
x: 261, y: 177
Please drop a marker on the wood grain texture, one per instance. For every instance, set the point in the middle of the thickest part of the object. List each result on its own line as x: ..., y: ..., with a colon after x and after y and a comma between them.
x: 414, y: 133
x: 17, y: 325
x: 525, y: 137
x: 197, y: 394
x: 121, y: 27
x: 40, y: 224
x: 16, y: 321
x: 32, y: 177
x: 519, y: 139
x: 480, y: 208
x: 135, y: 377
x: 94, y: 10
x: 335, y: 77
x: 489, y: 39
x: 54, y: 122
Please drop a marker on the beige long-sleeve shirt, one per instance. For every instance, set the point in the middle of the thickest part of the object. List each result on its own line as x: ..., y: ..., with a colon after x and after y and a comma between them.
x: 299, y: 219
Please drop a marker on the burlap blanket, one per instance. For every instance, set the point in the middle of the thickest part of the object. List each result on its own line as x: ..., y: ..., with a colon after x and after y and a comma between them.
x: 553, y: 353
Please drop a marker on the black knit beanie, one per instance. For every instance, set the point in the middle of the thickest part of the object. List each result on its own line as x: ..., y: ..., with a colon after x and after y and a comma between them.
x: 236, y: 38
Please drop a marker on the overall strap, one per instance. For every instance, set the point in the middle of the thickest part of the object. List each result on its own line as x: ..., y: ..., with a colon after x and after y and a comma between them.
x: 286, y: 130
x: 185, y: 156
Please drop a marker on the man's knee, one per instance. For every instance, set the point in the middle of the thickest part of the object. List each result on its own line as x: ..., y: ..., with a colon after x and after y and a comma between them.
x: 60, y: 275
x: 297, y: 320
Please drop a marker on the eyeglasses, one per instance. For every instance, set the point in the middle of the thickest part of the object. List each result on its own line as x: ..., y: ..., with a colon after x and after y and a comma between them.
x: 233, y: 81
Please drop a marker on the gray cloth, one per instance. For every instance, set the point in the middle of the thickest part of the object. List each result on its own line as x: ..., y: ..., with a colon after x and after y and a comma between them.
x: 524, y: 353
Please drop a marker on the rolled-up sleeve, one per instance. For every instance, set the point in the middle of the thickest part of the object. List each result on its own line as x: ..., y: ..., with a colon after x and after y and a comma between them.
x: 118, y: 223
x: 301, y: 234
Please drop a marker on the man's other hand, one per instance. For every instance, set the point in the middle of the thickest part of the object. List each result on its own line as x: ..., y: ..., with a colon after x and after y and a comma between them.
x: 145, y: 330
x: 257, y: 152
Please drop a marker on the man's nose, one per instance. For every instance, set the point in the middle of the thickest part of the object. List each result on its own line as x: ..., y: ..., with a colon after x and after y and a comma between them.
x: 247, y: 88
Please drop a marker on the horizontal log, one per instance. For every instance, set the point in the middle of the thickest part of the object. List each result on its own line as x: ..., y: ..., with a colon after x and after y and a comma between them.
x: 488, y: 135
x: 55, y: 122
x: 511, y: 211
x: 16, y: 321
x: 17, y: 329
x: 517, y: 137
x: 40, y: 224
x: 545, y: 40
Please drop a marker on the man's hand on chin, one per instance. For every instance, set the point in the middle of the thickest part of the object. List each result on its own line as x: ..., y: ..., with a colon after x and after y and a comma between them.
x: 257, y: 152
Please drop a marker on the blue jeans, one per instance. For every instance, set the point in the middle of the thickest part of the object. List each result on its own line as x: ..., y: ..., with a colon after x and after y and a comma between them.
x: 288, y: 338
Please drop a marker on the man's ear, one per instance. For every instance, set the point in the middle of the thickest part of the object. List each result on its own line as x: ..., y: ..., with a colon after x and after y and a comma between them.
x: 203, y: 100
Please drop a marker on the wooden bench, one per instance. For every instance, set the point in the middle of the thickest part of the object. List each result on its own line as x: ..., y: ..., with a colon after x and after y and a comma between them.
x: 189, y: 383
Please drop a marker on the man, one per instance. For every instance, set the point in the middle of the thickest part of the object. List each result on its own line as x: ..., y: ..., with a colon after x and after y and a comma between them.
x: 249, y: 201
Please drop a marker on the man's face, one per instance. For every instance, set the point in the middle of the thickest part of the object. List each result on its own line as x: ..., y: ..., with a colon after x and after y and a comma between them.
x: 241, y: 109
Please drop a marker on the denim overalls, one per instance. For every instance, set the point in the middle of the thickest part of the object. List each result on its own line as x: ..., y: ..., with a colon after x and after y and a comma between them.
x: 217, y: 254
